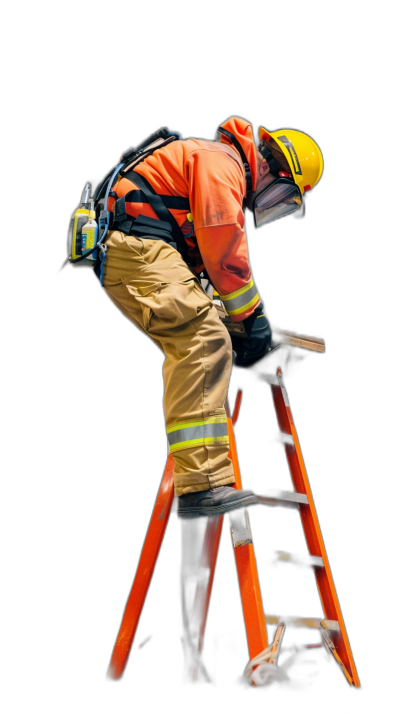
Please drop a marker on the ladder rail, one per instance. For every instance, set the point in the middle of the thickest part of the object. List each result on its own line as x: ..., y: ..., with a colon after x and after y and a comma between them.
x: 245, y: 560
x: 144, y: 572
x: 212, y: 539
x: 253, y: 613
x: 208, y: 560
x: 246, y: 566
x: 311, y: 527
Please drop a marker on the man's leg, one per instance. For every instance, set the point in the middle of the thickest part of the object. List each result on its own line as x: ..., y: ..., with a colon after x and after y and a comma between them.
x: 152, y: 285
x: 197, y: 368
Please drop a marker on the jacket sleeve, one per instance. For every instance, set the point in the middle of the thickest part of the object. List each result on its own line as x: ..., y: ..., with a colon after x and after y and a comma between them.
x: 216, y: 189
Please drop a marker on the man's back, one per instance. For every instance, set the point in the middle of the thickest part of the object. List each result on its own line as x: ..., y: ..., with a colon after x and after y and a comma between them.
x: 212, y: 177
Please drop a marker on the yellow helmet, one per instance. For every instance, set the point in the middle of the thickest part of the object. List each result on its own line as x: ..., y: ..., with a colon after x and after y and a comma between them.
x: 302, y: 155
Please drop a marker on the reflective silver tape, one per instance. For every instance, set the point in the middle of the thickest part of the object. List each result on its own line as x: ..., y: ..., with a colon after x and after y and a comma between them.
x: 199, y: 432
x: 292, y: 152
x: 240, y: 301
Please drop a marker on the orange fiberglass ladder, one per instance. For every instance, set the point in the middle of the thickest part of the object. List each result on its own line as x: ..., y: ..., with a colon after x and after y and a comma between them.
x: 254, y: 618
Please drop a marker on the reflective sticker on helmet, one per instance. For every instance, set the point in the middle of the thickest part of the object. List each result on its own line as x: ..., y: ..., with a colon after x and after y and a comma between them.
x: 292, y: 153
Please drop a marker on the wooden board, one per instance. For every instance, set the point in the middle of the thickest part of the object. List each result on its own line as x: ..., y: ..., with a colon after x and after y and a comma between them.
x: 279, y: 337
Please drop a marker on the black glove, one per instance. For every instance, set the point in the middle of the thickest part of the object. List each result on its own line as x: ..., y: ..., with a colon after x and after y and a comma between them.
x: 258, y: 342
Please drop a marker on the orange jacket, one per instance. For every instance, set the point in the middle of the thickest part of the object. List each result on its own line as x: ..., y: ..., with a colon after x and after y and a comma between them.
x: 211, y: 175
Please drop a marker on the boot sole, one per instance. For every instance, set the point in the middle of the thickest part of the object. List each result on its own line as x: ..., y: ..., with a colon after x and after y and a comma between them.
x: 217, y: 510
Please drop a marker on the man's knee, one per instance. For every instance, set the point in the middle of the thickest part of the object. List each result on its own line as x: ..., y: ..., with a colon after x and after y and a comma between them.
x: 218, y: 343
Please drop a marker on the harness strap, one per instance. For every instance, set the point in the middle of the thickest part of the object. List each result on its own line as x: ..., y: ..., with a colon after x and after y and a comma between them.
x: 121, y: 221
x: 157, y: 204
x: 178, y: 202
x: 144, y: 225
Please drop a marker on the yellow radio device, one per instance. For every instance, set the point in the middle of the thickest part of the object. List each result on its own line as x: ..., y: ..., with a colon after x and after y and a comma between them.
x: 86, y: 237
x: 83, y: 232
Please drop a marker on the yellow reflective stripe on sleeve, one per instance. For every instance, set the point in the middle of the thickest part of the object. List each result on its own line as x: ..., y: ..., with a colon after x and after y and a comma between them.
x: 241, y: 300
x: 245, y: 307
x: 236, y: 294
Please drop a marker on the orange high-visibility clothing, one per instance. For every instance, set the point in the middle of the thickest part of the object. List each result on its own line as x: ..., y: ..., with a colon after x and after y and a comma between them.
x: 211, y: 175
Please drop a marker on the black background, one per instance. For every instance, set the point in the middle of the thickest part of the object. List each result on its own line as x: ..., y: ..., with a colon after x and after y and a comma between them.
x: 99, y: 387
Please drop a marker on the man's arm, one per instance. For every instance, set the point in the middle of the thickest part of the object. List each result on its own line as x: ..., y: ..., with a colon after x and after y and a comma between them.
x: 216, y: 192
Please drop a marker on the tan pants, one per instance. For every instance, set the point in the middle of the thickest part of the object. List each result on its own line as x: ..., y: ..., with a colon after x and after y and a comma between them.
x: 155, y: 289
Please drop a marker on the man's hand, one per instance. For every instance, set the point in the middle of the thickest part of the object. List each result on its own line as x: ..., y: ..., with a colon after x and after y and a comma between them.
x: 258, y: 342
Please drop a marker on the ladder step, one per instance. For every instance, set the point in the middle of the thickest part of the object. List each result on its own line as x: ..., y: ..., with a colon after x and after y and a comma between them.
x: 313, y: 560
x: 288, y: 499
x: 191, y: 633
x: 195, y: 574
x: 284, y: 438
x: 315, y: 623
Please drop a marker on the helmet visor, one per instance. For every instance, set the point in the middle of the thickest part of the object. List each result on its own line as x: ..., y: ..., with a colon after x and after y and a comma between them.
x: 279, y: 199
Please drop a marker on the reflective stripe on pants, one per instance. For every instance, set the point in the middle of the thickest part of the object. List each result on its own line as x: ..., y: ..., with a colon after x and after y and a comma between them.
x: 209, y: 431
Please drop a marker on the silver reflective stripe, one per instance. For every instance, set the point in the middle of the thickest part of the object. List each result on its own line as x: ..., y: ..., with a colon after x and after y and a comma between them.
x: 292, y: 152
x: 207, y: 432
x: 240, y: 299
x: 200, y: 432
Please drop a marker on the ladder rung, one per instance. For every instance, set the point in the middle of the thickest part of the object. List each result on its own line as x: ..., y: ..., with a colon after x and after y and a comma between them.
x: 190, y: 633
x: 195, y: 573
x: 283, y: 438
x: 313, y: 560
x: 315, y: 623
x: 289, y: 499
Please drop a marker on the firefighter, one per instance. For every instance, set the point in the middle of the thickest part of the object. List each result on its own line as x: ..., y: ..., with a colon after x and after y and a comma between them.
x: 152, y: 269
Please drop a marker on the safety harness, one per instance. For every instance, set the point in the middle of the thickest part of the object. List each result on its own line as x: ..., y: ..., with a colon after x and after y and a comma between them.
x: 165, y: 227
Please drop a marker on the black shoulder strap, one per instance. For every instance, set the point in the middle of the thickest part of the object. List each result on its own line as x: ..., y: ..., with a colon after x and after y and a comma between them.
x: 159, y: 208
x: 237, y: 145
x: 178, y: 202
